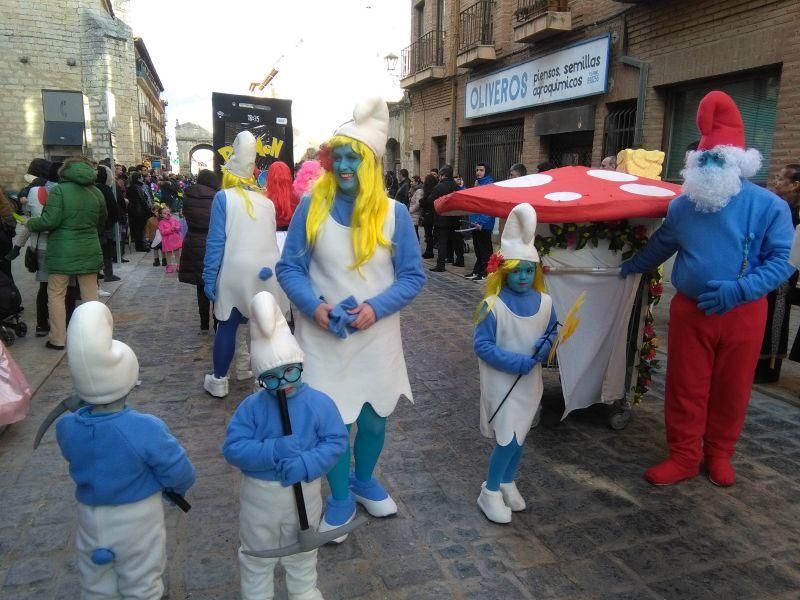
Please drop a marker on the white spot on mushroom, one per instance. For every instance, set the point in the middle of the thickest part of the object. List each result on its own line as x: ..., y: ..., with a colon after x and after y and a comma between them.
x: 611, y: 175
x: 534, y: 180
x: 647, y: 190
x: 563, y: 196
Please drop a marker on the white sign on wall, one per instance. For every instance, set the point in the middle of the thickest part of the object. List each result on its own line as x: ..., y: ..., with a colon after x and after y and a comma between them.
x: 573, y: 72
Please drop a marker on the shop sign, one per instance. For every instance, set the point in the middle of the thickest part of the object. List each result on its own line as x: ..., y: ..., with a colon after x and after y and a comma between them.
x: 572, y: 72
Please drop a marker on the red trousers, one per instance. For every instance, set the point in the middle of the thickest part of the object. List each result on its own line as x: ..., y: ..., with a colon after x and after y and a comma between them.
x: 711, y: 361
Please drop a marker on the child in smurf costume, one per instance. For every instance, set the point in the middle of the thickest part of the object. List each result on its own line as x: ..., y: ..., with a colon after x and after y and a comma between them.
x: 241, y: 252
x: 121, y: 461
x: 272, y: 462
x: 514, y: 331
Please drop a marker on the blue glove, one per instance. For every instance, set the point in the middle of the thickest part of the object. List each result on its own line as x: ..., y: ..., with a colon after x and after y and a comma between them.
x: 292, y: 470
x: 626, y: 269
x: 265, y: 273
x: 719, y: 297
x: 339, y: 319
x: 544, y: 350
x: 211, y: 292
x: 287, y: 446
x: 526, y: 365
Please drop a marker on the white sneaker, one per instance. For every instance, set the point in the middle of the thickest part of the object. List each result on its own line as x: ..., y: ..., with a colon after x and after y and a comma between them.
x: 512, y: 497
x: 103, y: 293
x: 216, y: 386
x: 492, y: 505
x: 325, y: 526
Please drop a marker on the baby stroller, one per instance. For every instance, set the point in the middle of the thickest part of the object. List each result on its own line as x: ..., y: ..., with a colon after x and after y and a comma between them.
x: 11, y: 324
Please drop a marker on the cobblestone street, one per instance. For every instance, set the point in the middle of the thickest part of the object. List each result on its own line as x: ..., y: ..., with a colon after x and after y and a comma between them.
x: 593, y: 527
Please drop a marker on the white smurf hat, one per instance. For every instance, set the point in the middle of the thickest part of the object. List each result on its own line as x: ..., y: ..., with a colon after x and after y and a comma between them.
x: 516, y: 243
x: 271, y: 342
x: 370, y: 125
x: 103, y: 370
x: 243, y: 160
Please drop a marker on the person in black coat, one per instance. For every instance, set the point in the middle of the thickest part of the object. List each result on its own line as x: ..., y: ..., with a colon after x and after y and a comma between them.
x: 447, y: 237
x: 427, y: 213
x: 105, y: 179
x: 138, y: 211
x: 197, y: 212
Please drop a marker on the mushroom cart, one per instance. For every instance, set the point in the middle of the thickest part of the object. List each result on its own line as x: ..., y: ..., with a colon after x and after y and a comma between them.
x: 590, y: 220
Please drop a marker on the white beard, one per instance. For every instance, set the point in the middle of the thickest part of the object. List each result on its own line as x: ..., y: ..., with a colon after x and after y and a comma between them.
x: 710, y: 187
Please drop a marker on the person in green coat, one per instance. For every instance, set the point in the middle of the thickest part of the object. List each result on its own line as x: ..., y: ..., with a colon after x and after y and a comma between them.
x: 74, y: 214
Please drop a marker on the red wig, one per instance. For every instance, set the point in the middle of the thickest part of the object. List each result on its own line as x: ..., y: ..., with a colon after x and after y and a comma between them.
x: 279, y: 190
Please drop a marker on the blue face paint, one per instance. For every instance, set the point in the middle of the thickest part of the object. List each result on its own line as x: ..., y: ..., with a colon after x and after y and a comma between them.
x: 521, y: 278
x: 286, y: 377
x: 345, y: 168
x: 711, y: 159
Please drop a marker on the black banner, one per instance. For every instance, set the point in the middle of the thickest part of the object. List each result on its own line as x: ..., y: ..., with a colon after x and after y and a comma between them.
x: 268, y: 119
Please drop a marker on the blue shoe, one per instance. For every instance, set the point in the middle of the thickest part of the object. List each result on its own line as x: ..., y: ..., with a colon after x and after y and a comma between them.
x: 373, y: 497
x: 337, y: 513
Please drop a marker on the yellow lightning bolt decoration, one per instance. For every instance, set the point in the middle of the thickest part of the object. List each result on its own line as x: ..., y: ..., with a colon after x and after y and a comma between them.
x: 571, y: 322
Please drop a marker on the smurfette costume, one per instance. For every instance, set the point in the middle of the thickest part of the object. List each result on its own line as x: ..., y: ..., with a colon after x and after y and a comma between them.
x: 121, y: 461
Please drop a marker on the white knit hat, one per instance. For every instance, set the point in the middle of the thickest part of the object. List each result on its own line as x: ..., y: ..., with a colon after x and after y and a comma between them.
x: 103, y: 370
x: 243, y: 160
x: 519, y: 235
x: 370, y: 125
x: 271, y: 343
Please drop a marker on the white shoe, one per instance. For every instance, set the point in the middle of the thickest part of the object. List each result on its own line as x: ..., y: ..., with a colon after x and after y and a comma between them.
x: 217, y: 387
x: 103, y: 293
x: 378, y: 508
x: 492, y: 505
x: 512, y: 497
x: 243, y: 375
x: 325, y: 526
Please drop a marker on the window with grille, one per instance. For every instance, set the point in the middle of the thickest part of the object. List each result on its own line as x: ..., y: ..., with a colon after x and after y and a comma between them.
x: 619, y: 128
x: 497, y: 146
x: 440, y: 143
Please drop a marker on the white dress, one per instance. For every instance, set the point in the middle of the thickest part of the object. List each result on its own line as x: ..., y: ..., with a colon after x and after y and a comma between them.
x: 514, y: 334
x: 250, y: 245
x: 368, y: 366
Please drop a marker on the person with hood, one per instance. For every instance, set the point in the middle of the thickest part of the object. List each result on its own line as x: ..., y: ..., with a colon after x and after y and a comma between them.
x: 483, y: 227
x: 197, y: 212
x: 74, y: 216
x: 35, y: 176
x: 105, y: 183
x: 121, y: 461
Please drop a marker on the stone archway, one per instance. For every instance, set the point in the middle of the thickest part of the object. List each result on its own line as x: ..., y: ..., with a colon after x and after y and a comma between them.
x: 189, y: 138
x: 391, y: 159
x: 201, y: 146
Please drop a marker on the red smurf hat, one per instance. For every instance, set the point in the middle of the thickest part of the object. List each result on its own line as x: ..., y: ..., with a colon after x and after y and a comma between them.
x: 719, y: 121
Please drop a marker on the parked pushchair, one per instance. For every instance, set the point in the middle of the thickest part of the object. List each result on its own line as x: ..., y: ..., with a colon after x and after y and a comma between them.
x: 11, y: 324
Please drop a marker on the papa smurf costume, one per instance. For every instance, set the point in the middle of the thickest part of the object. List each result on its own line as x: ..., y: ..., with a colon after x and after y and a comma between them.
x: 732, y: 240
x: 516, y: 326
x: 121, y: 461
x: 271, y: 461
x: 351, y: 262
x: 241, y: 252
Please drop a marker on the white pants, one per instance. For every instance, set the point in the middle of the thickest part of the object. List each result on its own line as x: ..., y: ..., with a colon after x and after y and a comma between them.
x: 135, y: 534
x: 268, y: 519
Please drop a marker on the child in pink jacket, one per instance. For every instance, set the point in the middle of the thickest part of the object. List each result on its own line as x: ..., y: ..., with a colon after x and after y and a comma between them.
x: 171, y: 239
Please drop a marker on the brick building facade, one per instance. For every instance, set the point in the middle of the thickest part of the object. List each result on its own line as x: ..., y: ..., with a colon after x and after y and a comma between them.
x: 662, y: 57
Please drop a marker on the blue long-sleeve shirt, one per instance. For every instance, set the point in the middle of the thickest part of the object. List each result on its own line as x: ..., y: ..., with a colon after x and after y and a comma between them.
x: 293, y: 268
x: 122, y: 457
x: 485, y: 221
x: 525, y: 304
x: 756, y: 225
x: 256, y: 425
x: 215, y: 241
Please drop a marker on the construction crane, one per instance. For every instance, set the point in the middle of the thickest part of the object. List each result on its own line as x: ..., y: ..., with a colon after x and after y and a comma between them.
x: 260, y: 85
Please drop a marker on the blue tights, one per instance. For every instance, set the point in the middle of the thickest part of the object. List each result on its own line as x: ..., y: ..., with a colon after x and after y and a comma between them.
x: 225, y: 342
x: 367, y: 448
x: 503, y: 465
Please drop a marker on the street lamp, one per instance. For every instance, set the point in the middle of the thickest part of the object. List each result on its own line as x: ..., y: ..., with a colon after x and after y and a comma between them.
x: 390, y: 60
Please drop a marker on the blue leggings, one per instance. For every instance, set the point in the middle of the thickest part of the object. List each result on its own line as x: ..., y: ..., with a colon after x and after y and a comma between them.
x: 503, y: 465
x: 225, y: 342
x: 367, y: 448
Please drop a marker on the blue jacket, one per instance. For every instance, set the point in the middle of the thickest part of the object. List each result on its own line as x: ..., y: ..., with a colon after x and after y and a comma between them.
x: 121, y: 457
x: 293, y: 268
x: 485, y: 221
x: 756, y: 225
x: 256, y: 425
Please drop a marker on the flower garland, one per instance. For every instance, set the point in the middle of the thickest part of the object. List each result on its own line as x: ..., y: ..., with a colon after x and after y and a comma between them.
x: 628, y: 239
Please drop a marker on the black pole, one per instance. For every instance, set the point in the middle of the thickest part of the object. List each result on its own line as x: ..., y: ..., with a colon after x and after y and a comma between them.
x: 299, y: 499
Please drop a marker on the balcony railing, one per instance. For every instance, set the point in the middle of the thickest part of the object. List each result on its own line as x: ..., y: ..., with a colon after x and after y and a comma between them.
x: 530, y: 9
x: 476, y: 26
x: 427, y: 51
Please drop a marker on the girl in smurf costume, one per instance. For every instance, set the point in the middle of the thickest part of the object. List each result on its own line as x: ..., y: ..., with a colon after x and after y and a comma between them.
x: 351, y: 262
x: 121, y: 461
x: 515, y: 329
x: 272, y: 462
x: 241, y: 252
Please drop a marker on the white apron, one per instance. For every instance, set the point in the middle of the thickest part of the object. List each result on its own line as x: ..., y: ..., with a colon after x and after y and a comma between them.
x: 250, y: 245
x: 367, y: 366
x: 514, y: 334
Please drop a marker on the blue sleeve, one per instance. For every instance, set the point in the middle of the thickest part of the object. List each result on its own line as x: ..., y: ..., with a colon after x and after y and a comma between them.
x: 241, y: 448
x: 408, y: 274
x: 332, y: 439
x: 775, y: 268
x: 215, y: 242
x: 165, y: 456
x: 661, y: 245
x: 485, y: 346
x: 292, y: 269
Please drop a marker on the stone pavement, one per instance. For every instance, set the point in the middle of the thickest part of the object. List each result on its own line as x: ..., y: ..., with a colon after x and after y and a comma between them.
x: 593, y: 528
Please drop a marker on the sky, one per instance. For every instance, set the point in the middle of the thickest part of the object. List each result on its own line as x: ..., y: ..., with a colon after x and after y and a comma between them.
x: 333, y: 55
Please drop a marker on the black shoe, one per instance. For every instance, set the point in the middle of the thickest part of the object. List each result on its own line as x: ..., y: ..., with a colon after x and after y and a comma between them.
x: 459, y: 263
x: 53, y: 346
x: 437, y: 269
x: 163, y: 262
x: 427, y: 255
x: 101, y: 276
x: 479, y: 278
x: 112, y: 278
x: 449, y: 261
x: 156, y: 263
x: 42, y: 331
x: 125, y: 260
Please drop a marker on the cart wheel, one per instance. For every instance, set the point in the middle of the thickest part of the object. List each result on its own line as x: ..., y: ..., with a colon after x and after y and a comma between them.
x: 21, y: 329
x: 619, y: 419
x: 7, y: 336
